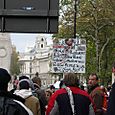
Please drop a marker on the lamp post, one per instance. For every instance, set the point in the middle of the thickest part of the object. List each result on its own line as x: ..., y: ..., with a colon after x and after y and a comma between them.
x: 75, y: 15
x: 76, y: 3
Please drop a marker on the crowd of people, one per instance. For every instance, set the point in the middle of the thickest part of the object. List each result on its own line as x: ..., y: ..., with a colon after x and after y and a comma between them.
x: 28, y: 98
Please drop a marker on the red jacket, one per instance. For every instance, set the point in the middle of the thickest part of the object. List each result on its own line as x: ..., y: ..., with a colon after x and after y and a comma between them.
x: 59, y: 103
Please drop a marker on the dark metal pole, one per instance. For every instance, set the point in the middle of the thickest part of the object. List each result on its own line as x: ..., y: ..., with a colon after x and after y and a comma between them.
x: 75, y: 15
x: 3, y: 18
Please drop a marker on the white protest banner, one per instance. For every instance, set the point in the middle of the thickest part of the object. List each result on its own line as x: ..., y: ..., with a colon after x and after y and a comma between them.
x: 69, y: 55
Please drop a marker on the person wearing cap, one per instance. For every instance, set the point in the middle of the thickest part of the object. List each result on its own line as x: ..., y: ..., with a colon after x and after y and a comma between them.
x: 10, y: 104
x: 27, y: 77
x: 25, y: 92
x: 40, y: 94
x: 70, y: 100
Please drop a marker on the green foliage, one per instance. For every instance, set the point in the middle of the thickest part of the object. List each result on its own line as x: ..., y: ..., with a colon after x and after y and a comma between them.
x: 96, y: 24
x: 66, y: 19
x: 90, y: 57
x: 14, y: 69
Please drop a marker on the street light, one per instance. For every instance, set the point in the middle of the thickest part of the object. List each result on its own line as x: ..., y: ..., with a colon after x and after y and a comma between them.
x: 75, y: 15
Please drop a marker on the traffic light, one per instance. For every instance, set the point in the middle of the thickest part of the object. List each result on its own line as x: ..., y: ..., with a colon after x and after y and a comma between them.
x: 29, y: 16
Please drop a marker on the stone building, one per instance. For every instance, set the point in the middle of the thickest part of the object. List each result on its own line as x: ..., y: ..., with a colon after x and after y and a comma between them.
x: 5, y: 51
x: 36, y: 59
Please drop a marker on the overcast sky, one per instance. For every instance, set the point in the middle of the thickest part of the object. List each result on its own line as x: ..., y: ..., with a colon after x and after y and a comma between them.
x: 21, y: 41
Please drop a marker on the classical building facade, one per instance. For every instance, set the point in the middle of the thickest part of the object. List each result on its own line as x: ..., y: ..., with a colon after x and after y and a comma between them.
x: 36, y: 59
x: 5, y: 51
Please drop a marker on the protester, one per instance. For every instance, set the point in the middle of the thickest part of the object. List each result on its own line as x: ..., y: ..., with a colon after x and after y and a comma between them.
x: 70, y: 100
x: 40, y: 93
x: 10, y: 104
x: 48, y: 94
x: 27, y: 77
x: 111, y: 102
x: 30, y: 101
x: 96, y: 93
x: 15, y: 82
x: 52, y: 88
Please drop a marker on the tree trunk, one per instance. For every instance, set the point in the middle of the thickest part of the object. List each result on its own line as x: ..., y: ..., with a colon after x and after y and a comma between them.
x: 97, y: 50
x: 101, y: 53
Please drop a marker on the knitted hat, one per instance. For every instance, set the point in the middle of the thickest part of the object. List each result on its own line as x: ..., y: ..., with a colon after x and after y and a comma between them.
x: 24, y: 84
x: 4, y: 79
x: 23, y: 77
x: 30, y: 81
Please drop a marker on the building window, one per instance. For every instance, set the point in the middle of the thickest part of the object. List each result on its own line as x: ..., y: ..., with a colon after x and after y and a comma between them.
x: 41, y: 45
x: 42, y: 39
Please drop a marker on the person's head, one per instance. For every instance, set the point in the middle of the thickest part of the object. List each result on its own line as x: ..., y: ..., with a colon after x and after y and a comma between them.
x: 4, y: 79
x: 37, y: 74
x: 52, y: 88
x: 24, y: 84
x: 71, y: 79
x: 69, y: 41
x: 48, y: 93
x: 37, y: 80
x: 27, y: 78
x: 15, y: 77
x: 93, y: 80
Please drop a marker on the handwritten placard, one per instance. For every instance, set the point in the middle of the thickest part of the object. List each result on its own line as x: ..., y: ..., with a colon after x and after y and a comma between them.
x: 69, y: 55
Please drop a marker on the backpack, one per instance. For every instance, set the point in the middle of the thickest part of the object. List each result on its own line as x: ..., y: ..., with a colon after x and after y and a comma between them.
x: 105, y: 100
x: 40, y: 94
x: 9, y: 107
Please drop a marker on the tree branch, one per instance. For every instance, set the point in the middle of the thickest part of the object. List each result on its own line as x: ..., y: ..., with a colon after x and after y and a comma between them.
x: 108, y: 24
x: 100, y: 56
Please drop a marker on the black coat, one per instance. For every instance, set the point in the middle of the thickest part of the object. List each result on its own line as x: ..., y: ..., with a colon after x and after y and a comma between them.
x: 111, y: 102
x: 8, y: 105
x: 42, y: 98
